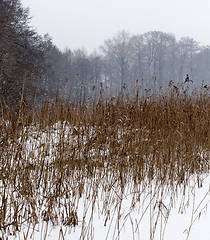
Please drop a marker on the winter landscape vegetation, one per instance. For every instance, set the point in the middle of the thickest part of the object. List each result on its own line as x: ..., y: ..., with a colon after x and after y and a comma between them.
x: 108, y: 145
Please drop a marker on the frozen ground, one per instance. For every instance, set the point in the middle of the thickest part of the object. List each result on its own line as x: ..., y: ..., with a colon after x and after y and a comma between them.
x: 156, y: 215
x: 188, y: 219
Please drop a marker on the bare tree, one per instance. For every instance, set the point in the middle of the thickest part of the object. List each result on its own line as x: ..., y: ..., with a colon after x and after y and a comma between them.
x: 116, y: 52
x: 187, y: 50
x: 22, y: 52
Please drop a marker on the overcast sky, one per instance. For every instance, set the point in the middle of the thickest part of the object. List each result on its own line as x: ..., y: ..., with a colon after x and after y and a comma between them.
x: 87, y: 23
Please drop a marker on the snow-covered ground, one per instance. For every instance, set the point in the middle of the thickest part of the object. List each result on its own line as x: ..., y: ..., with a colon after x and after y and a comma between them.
x: 151, y: 212
x: 187, y: 218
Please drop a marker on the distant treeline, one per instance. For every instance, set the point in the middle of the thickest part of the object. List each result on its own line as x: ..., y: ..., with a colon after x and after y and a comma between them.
x: 32, y: 66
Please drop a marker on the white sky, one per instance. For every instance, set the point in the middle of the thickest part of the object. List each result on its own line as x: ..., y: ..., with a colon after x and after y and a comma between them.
x: 87, y: 23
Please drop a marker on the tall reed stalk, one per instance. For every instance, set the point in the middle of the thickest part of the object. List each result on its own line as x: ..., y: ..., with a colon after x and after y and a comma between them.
x: 147, y: 146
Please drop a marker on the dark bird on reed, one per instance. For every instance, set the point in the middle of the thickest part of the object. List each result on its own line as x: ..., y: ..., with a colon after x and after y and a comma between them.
x: 187, y: 79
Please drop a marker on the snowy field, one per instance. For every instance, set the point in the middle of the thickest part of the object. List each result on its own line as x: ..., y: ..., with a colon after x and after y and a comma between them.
x: 106, y: 210
x: 188, y: 219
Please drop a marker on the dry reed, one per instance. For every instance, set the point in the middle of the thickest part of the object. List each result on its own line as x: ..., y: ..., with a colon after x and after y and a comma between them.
x: 146, y: 146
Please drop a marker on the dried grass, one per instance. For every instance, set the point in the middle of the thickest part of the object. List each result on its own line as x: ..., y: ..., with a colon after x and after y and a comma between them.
x: 147, y: 146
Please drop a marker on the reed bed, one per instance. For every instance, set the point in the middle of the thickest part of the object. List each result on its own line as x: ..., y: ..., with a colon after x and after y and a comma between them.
x: 146, y: 146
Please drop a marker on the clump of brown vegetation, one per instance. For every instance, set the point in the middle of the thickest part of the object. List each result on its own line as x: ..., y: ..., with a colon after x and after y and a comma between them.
x: 55, y: 154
